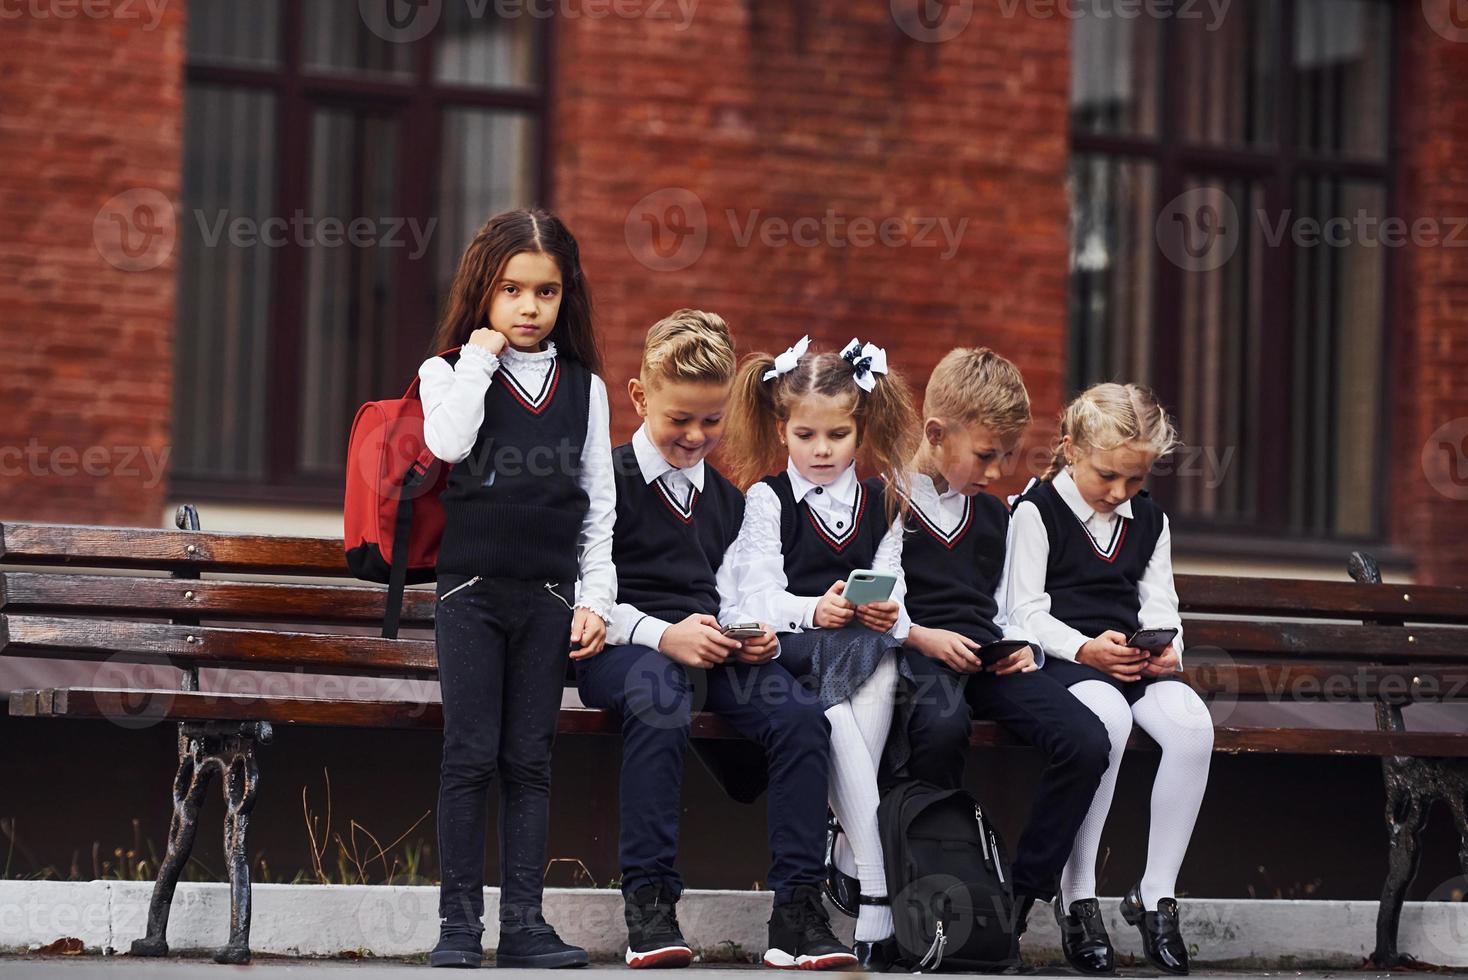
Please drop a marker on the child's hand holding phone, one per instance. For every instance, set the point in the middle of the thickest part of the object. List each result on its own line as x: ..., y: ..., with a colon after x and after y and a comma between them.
x: 697, y: 641
x: 833, y: 611
x: 758, y: 643
x: 1110, y: 654
x: 1165, y: 661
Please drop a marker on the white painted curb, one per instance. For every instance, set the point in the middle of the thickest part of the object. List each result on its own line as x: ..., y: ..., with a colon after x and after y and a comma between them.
x: 325, y: 920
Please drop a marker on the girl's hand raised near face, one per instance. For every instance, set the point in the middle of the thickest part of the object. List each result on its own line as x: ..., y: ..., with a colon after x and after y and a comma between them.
x: 491, y: 340
x: 1109, y: 654
x: 588, y: 634
x: 833, y: 612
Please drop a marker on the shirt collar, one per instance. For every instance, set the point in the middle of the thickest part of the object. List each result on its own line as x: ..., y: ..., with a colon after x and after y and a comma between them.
x: 842, y: 489
x: 653, y: 465
x: 1065, y: 485
x: 521, y: 357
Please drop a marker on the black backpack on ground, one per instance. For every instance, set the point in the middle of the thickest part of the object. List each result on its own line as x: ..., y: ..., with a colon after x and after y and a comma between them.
x: 948, y: 877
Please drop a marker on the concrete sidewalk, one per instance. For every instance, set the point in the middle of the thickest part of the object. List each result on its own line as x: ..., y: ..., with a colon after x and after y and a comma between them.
x: 125, y: 968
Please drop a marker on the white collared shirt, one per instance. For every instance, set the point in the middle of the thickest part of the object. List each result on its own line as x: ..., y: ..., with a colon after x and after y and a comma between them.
x: 453, y: 412
x: 1026, y: 604
x: 946, y: 511
x: 629, y: 624
x: 758, y: 563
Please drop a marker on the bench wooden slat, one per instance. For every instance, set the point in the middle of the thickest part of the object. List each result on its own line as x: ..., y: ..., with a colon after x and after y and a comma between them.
x: 79, y: 594
x: 1424, y: 644
x: 129, y: 547
x: 1321, y: 599
x: 1322, y: 682
x: 212, y: 646
x: 137, y: 706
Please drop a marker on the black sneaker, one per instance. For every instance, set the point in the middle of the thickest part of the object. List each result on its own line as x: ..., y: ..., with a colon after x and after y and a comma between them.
x: 654, y: 940
x: 458, y: 949
x: 801, y: 937
x: 535, y: 945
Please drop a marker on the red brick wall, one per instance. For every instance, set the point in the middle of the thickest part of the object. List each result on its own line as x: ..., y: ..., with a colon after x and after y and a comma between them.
x: 786, y: 108
x: 1431, y: 342
x: 92, y: 109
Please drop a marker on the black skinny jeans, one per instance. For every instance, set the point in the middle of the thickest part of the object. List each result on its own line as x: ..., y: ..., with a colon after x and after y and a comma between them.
x: 503, y: 647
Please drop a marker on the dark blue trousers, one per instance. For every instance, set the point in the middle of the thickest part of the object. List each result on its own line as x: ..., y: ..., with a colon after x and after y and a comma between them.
x: 1037, y: 709
x: 655, y: 698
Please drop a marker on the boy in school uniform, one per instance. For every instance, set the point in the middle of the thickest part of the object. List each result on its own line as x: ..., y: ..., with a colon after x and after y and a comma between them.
x: 667, y: 655
x: 976, y: 408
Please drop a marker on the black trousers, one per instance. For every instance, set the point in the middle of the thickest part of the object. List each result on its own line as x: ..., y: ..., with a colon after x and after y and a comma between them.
x: 655, y: 698
x: 503, y: 647
x: 1039, y: 710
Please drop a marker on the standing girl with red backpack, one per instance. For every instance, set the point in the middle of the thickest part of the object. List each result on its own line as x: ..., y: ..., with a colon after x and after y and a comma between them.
x: 525, y: 570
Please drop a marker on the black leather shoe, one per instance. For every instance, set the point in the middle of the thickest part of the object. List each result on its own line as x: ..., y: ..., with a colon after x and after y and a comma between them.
x: 1162, y: 940
x: 1083, y: 937
x: 876, y: 957
x: 457, y: 949
x: 842, y: 889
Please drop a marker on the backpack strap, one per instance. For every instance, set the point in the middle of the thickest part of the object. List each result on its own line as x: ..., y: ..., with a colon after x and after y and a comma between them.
x: 397, y: 579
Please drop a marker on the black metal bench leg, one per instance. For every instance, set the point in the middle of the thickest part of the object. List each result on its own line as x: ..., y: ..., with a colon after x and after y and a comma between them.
x: 240, y: 785
x: 189, y: 785
x: 1405, y: 816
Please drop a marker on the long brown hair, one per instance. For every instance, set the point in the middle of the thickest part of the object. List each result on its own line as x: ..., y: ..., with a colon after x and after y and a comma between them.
x: 503, y: 237
x: 886, y: 423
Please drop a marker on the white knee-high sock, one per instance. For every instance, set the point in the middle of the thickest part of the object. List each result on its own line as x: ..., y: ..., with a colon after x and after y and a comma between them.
x: 1078, y: 880
x: 1178, y: 720
x: 856, y: 724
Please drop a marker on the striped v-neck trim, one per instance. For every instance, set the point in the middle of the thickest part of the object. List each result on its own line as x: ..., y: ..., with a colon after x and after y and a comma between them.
x: 680, y: 511
x: 950, y: 538
x: 533, y: 402
x: 838, y: 540
x: 1113, y: 547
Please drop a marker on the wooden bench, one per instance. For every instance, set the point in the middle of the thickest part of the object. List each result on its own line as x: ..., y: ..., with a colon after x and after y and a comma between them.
x: 127, y: 595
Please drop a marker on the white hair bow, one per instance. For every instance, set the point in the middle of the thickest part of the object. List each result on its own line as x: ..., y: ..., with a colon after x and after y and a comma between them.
x: 787, y: 361
x: 866, y: 363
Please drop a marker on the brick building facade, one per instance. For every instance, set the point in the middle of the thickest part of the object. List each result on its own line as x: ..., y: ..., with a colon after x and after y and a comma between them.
x: 747, y: 159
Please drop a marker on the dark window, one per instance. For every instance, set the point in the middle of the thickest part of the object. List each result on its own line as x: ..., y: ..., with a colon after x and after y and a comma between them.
x: 333, y: 171
x: 1206, y: 153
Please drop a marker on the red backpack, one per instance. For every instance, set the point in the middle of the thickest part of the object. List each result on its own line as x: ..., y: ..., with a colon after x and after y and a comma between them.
x: 392, y: 518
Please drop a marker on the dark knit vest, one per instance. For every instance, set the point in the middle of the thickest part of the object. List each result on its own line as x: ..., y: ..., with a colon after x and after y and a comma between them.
x: 1093, y: 585
x: 668, y: 551
x: 514, y: 507
x: 816, y: 556
x: 951, y: 577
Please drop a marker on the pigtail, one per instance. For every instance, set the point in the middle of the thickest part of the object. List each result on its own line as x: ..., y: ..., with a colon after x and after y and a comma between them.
x: 889, y: 427
x: 753, y: 444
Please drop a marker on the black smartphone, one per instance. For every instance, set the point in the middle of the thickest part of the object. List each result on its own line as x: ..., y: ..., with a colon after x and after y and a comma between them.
x: 1153, y: 641
x: 991, y: 653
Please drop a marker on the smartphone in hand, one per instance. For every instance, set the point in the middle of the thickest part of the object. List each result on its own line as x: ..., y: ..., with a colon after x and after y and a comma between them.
x: 744, y: 631
x: 1153, y: 641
